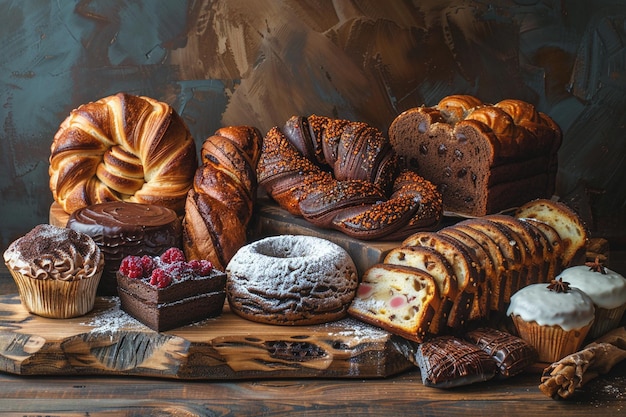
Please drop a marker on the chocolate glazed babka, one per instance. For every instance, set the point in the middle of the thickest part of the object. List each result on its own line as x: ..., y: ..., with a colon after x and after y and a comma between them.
x: 343, y: 175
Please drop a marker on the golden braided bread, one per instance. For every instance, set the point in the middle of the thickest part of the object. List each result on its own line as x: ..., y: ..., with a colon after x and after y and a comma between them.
x: 343, y: 175
x: 220, y: 203
x: 122, y: 147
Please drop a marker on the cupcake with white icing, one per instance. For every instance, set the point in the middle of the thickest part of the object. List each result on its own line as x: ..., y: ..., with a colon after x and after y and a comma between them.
x: 554, y: 318
x: 607, y: 290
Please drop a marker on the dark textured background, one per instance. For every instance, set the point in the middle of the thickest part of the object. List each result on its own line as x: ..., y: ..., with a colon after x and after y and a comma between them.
x: 260, y: 61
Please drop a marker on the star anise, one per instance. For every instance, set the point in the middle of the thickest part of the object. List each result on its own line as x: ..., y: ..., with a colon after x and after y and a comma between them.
x: 559, y: 285
x: 596, y: 266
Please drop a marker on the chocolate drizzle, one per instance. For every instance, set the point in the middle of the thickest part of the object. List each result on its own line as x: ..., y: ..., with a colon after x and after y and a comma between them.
x: 121, y: 228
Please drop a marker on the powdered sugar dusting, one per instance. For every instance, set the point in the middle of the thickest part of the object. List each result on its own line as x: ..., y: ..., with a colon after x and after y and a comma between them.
x: 356, y: 330
x: 290, y: 268
x: 113, y: 319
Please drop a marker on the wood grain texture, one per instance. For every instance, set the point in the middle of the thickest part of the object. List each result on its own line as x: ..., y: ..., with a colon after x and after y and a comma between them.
x: 401, y: 395
x: 107, y: 341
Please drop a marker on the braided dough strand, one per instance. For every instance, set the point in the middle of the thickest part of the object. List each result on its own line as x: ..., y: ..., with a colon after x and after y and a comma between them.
x: 220, y: 204
x: 343, y: 175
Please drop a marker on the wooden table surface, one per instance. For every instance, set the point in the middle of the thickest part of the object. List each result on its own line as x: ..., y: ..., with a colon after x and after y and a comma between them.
x: 399, y: 395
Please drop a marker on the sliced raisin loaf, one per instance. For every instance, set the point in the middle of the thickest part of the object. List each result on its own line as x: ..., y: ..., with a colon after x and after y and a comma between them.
x: 484, y: 158
x: 501, y: 272
x: 475, y: 265
x: 567, y: 223
x: 529, y: 244
x: 431, y: 261
x: 397, y: 298
x: 471, y: 301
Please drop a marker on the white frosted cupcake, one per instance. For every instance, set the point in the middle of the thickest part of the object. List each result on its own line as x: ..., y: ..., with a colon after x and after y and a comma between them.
x: 553, y: 318
x: 607, y: 290
x: 56, y: 270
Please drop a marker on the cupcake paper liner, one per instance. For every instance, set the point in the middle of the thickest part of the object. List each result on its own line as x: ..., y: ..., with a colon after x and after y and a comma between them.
x: 551, y: 342
x: 606, y: 320
x: 57, y: 299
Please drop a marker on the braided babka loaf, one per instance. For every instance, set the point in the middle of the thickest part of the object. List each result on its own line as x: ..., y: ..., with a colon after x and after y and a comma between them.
x: 220, y: 203
x: 483, y: 158
x: 122, y: 147
x: 343, y: 175
x: 476, y: 265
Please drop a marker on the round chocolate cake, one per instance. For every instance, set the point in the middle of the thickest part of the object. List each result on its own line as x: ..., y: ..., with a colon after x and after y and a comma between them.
x: 121, y: 229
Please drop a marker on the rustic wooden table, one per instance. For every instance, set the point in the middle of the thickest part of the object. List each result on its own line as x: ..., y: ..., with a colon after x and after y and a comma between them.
x: 402, y: 394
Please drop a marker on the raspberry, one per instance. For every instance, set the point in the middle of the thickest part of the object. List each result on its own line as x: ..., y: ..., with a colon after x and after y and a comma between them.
x: 201, y: 267
x: 131, y: 267
x: 147, y: 263
x: 173, y: 255
x: 178, y: 270
x: 160, y: 278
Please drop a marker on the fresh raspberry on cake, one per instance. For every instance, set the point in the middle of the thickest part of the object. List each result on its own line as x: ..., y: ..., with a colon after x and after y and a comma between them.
x: 173, y: 255
x: 148, y: 265
x: 160, y: 278
x: 201, y: 267
x: 132, y: 267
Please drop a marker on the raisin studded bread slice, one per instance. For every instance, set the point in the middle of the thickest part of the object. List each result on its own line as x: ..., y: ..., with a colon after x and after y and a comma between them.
x: 397, y: 298
x: 565, y: 221
x: 484, y: 263
x: 502, y: 274
x: 548, y: 261
x: 553, y: 241
x: 503, y: 237
x: 470, y: 277
x: 530, y: 245
x: 431, y: 261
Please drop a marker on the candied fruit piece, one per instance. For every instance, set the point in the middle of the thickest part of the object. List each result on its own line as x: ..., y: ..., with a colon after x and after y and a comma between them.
x: 173, y: 255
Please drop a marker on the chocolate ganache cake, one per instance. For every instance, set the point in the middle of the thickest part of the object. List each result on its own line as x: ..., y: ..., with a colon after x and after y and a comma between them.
x: 121, y: 229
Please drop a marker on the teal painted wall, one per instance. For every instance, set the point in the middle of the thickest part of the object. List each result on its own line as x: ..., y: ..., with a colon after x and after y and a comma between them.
x: 260, y: 61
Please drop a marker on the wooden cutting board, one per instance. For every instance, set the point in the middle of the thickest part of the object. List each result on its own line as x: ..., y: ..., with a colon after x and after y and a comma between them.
x: 107, y: 341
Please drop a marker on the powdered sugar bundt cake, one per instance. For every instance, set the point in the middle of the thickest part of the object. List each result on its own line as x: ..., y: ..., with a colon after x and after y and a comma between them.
x: 291, y: 280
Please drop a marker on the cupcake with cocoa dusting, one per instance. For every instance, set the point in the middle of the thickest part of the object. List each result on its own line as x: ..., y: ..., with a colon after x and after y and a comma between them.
x: 607, y: 290
x: 554, y: 318
x: 57, y: 271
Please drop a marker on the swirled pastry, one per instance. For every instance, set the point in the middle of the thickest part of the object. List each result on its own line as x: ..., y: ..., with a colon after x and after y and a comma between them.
x: 122, y: 147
